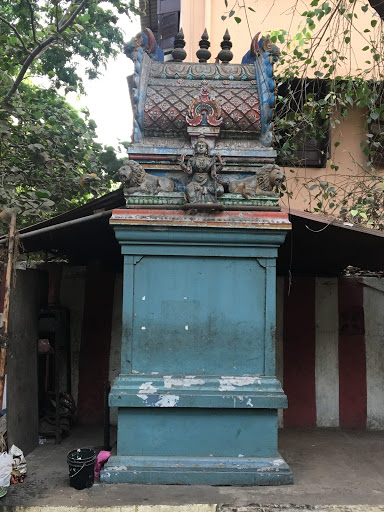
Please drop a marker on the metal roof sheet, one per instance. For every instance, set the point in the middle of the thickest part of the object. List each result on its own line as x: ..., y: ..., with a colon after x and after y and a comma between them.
x: 317, y: 245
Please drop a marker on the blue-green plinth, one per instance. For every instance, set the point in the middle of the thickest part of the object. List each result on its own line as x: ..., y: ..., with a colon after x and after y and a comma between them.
x: 198, y: 470
x: 197, y: 396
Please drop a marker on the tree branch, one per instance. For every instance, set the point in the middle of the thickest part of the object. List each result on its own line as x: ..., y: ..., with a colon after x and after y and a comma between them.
x: 40, y: 48
x: 57, y: 16
x: 66, y: 12
x: 71, y: 19
x: 32, y: 21
x: 15, y: 31
x: 6, y: 75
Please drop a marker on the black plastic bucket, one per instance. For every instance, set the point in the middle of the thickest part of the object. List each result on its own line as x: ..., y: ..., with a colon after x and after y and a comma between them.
x: 81, y: 464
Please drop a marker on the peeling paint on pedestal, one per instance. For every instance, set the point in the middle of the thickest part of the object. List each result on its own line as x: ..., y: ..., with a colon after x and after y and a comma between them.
x: 186, y: 382
x: 230, y: 383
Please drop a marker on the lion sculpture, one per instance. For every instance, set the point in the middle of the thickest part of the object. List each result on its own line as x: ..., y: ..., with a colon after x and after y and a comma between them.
x: 135, y: 179
x: 265, y: 182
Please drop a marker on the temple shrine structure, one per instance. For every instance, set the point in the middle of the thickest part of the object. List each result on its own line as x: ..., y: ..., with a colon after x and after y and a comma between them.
x: 197, y: 395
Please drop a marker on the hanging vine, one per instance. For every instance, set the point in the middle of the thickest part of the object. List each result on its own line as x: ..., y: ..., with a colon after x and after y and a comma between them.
x: 329, y: 71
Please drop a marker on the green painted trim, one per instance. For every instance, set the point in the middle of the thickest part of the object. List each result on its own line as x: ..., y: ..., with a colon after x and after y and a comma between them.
x: 178, y: 199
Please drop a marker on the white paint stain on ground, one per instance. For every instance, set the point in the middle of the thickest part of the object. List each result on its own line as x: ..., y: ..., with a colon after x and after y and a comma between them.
x: 186, y: 327
x: 143, y: 298
x: 278, y: 462
x: 185, y: 382
x: 249, y: 402
x: 167, y: 401
x: 230, y: 383
x: 143, y: 328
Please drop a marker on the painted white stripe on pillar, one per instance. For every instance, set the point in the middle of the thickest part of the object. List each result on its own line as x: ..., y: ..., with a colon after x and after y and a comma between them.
x: 374, y: 345
x: 280, y: 285
x: 327, y: 354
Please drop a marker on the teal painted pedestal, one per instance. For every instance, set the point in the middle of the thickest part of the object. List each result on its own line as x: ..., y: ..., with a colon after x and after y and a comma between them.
x: 197, y: 394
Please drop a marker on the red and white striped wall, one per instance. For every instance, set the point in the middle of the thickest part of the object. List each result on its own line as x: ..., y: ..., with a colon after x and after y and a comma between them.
x: 330, y: 351
x: 329, y: 347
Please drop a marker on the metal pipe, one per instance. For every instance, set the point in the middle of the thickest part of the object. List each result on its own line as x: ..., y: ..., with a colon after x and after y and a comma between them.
x: 66, y: 224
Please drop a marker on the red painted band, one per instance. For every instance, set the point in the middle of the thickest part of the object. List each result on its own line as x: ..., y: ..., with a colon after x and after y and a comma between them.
x: 352, y: 357
x: 95, y: 344
x: 299, y: 353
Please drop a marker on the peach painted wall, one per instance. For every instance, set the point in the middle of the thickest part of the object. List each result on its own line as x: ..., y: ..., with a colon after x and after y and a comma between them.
x: 269, y: 16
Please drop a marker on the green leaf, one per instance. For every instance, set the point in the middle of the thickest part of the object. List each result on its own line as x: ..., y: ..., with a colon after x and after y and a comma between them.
x: 349, y: 100
x: 231, y: 13
x: 42, y: 193
x: 84, y: 18
x: 364, y: 8
x: 373, y: 23
x: 238, y: 20
x: 251, y: 9
x: 354, y: 213
x: 223, y: 18
x: 326, y: 8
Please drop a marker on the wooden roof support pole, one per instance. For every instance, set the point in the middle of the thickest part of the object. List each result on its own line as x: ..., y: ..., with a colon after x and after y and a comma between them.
x: 7, y: 295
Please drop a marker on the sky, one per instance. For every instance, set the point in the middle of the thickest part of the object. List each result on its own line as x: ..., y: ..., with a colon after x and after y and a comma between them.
x: 107, y: 97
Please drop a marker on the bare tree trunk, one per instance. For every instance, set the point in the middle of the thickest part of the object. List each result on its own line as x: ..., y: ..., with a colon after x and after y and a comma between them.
x: 8, y: 278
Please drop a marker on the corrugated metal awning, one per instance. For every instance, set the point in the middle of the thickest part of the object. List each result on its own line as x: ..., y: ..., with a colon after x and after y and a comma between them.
x: 317, y: 245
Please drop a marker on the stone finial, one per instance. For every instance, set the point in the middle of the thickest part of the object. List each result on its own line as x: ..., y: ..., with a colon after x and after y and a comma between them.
x: 204, y: 54
x: 178, y: 53
x: 225, y: 54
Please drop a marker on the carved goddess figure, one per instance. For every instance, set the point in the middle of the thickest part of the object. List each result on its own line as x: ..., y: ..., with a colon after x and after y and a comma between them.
x: 204, y: 187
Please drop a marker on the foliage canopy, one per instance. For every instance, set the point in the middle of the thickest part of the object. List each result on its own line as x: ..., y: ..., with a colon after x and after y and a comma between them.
x: 49, y: 160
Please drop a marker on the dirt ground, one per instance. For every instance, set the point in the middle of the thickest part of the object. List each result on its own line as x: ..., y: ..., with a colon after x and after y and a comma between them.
x: 330, y: 467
